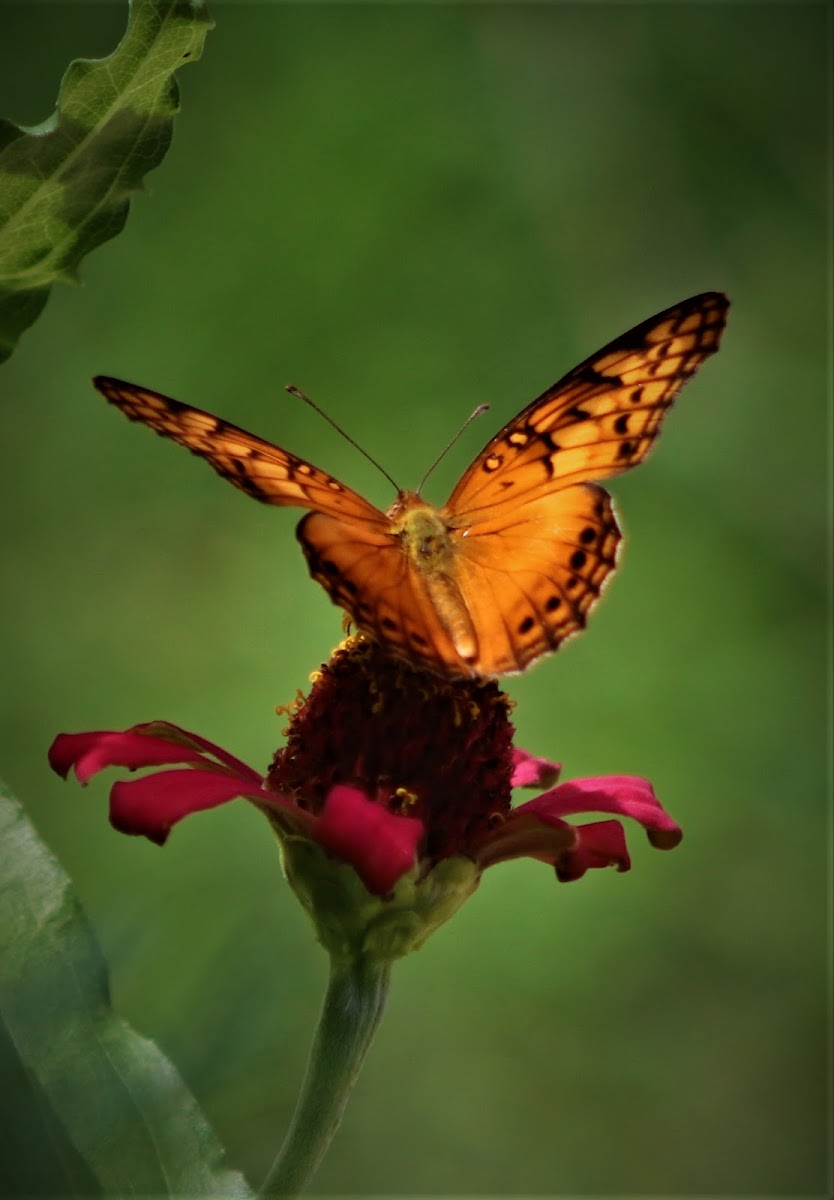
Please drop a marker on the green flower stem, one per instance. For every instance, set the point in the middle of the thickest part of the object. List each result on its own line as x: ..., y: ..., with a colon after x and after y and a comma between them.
x: 353, y: 1006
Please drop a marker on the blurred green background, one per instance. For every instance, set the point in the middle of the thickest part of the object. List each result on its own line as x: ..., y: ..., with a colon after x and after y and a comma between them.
x: 408, y: 210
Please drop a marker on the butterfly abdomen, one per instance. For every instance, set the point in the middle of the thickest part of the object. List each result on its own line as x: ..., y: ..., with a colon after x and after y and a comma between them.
x: 429, y: 545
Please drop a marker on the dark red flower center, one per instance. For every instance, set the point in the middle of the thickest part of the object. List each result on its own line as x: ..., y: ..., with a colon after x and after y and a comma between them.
x: 435, y: 749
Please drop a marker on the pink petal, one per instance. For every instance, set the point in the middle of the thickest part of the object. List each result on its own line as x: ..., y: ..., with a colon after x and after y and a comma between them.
x: 152, y: 744
x: 529, y: 771
x: 151, y: 805
x: 525, y: 835
x: 380, y: 845
x: 89, y: 753
x: 622, y: 795
x: 183, y: 737
x: 599, y: 844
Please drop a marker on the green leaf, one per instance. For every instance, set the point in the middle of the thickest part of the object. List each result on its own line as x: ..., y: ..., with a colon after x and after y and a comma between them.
x: 65, y: 185
x: 97, y: 1109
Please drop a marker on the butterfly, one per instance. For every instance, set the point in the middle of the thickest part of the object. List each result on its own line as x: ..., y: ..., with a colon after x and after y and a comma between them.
x: 513, y: 562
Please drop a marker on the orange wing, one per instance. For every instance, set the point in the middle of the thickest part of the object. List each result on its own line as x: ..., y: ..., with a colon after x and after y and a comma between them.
x: 363, y: 541
x: 258, y: 468
x: 534, y: 539
x: 348, y: 543
x: 600, y: 419
x: 530, y: 580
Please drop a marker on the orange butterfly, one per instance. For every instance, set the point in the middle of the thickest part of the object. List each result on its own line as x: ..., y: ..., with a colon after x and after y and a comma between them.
x: 510, y: 566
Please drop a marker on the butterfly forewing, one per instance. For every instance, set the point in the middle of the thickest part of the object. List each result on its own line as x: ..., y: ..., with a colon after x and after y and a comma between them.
x: 257, y: 467
x: 601, y: 418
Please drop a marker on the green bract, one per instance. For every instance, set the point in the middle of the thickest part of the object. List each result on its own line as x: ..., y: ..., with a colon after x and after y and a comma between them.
x: 353, y: 923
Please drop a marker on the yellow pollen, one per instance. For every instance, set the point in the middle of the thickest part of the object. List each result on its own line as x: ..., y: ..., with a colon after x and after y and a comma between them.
x: 290, y: 710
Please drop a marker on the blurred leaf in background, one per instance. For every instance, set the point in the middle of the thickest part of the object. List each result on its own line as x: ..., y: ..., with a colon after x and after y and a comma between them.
x: 409, y: 210
x: 65, y: 185
x: 89, y: 1107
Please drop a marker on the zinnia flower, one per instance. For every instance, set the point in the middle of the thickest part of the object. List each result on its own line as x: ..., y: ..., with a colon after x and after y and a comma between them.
x: 391, y: 796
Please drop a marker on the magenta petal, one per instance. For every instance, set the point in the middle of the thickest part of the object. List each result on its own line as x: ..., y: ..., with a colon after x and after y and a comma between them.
x: 150, y: 806
x: 599, y: 844
x: 529, y: 771
x: 379, y: 845
x: 622, y: 795
x: 89, y: 753
x: 183, y: 737
x: 525, y: 835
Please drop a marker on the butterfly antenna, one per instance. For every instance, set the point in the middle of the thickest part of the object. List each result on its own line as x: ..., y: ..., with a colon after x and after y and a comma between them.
x: 294, y: 391
x: 482, y: 408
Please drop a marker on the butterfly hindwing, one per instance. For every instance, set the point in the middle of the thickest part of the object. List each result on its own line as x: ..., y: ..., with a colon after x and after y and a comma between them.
x: 262, y: 470
x: 506, y: 600
x: 529, y: 582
